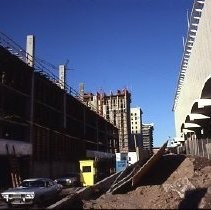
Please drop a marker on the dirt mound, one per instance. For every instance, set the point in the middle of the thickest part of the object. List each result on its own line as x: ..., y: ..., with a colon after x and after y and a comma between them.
x: 176, y: 182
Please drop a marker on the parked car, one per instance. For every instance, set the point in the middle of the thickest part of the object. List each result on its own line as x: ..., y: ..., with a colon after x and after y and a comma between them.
x: 35, y: 191
x: 70, y: 179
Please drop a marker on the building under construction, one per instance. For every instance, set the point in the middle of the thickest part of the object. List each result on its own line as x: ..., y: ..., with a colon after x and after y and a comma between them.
x: 116, y: 109
x: 147, y: 135
x: 47, y: 128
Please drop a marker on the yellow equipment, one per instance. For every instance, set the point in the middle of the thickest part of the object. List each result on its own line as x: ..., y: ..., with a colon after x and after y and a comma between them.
x: 87, y: 172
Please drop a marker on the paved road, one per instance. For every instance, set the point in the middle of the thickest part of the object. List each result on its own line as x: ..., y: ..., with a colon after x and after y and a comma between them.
x: 3, y: 205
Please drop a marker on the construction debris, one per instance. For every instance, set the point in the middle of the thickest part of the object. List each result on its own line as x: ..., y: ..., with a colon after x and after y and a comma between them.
x: 175, y: 182
x: 133, y: 174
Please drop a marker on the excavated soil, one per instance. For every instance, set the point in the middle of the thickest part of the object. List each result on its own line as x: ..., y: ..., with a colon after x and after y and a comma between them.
x: 177, y: 182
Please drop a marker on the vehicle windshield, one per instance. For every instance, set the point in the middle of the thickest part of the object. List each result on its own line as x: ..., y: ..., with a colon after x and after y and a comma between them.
x: 36, y: 183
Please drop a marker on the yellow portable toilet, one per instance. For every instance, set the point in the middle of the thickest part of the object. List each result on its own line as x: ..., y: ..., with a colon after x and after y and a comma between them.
x: 87, y: 172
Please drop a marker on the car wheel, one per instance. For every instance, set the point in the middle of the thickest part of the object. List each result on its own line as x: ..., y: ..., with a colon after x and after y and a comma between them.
x: 39, y: 203
x: 9, y: 205
x: 77, y: 184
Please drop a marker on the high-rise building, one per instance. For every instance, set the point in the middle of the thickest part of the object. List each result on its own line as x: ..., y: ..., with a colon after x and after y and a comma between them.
x: 116, y: 109
x: 136, y: 120
x: 147, y: 135
x: 136, y: 150
x: 136, y: 126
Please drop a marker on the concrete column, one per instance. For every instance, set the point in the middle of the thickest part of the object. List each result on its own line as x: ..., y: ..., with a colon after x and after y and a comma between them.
x: 30, y: 48
x: 62, y: 76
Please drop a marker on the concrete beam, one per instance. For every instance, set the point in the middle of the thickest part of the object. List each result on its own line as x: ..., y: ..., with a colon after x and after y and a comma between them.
x: 191, y: 125
x: 21, y: 148
x: 204, y: 102
x: 93, y: 153
x: 30, y: 45
x: 62, y: 76
x: 178, y: 139
x: 185, y: 130
x: 196, y: 116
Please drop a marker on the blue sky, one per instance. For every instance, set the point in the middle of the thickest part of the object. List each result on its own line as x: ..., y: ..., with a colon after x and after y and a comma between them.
x: 111, y: 44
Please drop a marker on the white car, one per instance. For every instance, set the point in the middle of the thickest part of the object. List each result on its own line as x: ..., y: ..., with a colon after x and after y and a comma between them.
x: 34, y: 191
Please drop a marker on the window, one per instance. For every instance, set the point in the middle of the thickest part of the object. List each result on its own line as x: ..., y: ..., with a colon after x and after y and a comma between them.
x: 86, y: 169
x: 48, y: 184
x: 35, y: 183
x: 51, y: 183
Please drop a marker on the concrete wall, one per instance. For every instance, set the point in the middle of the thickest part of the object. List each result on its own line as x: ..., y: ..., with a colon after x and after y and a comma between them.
x: 21, y: 148
x: 198, y: 69
x: 132, y: 157
x: 53, y: 169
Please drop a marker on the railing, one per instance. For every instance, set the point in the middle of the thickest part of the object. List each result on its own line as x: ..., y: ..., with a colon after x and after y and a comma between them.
x: 199, y: 147
x: 43, y: 67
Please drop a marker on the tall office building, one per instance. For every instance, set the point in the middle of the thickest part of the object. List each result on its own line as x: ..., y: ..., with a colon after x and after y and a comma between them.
x: 136, y: 120
x: 136, y: 126
x: 116, y: 109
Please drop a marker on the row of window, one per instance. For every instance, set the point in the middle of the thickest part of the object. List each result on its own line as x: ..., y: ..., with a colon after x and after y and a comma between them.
x: 134, y: 131
x: 134, y: 118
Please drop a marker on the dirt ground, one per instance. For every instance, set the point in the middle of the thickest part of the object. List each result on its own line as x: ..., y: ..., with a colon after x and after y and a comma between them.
x: 177, y: 182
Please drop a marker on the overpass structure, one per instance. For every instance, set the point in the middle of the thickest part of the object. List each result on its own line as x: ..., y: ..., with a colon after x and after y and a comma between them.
x: 192, y: 102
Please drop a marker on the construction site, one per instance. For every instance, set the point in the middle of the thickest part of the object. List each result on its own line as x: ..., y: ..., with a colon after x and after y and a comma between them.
x: 164, y: 181
x: 45, y: 130
x: 48, y: 129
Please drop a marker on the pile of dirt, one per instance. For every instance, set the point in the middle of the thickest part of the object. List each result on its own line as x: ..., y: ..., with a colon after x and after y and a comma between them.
x: 177, y: 182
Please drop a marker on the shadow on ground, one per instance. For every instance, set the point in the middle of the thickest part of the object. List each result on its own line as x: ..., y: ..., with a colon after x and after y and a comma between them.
x: 192, y: 198
x: 160, y: 172
x: 157, y: 174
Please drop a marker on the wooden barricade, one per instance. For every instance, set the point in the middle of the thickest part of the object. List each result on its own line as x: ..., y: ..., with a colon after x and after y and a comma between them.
x: 14, y: 167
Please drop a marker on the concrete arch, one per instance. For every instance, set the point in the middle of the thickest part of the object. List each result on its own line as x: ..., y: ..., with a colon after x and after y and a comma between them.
x: 201, y: 106
x: 182, y: 127
x: 205, y: 94
x: 194, y: 108
x: 206, y: 91
x: 187, y: 119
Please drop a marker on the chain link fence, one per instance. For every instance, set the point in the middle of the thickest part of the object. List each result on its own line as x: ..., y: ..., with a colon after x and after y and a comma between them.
x: 199, y: 147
